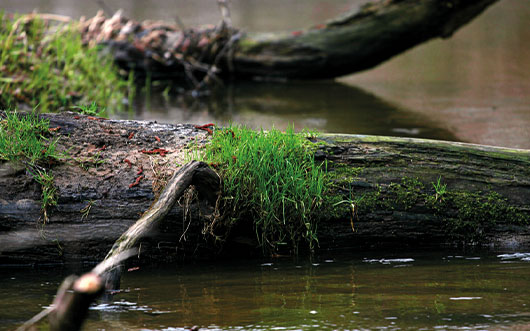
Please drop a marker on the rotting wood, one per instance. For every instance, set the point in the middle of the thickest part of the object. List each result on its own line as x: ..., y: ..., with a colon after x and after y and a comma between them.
x: 73, y: 236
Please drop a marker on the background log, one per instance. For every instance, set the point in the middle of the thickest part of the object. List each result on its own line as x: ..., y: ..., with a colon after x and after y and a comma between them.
x: 96, y: 204
x: 356, y: 41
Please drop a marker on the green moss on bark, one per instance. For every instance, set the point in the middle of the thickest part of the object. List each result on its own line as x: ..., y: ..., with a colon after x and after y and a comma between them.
x: 467, y: 216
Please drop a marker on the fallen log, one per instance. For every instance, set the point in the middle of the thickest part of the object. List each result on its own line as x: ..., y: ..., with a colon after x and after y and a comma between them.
x: 390, y: 182
x: 358, y: 40
x: 97, y: 200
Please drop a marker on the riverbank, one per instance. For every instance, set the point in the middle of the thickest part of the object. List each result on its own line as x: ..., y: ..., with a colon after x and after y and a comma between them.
x: 383, y: 192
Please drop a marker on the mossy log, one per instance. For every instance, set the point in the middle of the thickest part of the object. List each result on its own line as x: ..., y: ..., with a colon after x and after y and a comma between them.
x: 357, y: 40
x: 389, y: 180
x: 412, y: 192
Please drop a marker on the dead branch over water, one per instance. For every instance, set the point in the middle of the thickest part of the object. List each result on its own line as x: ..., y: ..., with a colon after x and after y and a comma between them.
x: 357, y: 40
x: 75, y: 295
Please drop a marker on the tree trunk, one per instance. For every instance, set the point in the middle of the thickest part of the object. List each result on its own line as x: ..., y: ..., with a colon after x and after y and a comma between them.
x: 98, y: 199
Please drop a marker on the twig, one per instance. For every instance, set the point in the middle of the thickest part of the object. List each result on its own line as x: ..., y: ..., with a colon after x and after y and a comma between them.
x: 180, y: 24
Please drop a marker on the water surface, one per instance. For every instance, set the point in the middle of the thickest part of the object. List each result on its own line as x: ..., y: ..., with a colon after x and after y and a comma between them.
x: 415, y: 291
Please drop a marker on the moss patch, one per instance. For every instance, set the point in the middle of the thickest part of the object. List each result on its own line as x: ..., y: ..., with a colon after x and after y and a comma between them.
x: 467, y: 216
x: 476, y: 213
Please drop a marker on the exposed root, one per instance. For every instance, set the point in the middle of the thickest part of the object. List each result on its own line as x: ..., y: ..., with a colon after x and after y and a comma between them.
x: 185, y: 202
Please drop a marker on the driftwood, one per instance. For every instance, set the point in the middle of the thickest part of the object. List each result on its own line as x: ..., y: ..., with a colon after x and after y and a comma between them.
x: 97, y: 202
x: 358, y: 40
x: 187, y: 175
x: 75, y: 295
x: 195, y: 173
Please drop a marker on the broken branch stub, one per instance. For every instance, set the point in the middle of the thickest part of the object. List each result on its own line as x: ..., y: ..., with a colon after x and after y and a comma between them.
x: 74, y: 296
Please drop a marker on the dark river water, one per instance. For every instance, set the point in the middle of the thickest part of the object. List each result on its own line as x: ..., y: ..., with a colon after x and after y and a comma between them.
x: 368, y: 291
x: 473, y: 87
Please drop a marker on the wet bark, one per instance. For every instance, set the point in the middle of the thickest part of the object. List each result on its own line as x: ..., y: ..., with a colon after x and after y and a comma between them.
x: 97, y: 201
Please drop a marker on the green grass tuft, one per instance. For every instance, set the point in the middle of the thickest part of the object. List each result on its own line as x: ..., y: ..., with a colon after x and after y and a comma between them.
x: 49, y: 192
x: 270, y: 179
x: 23, y: 139
x: 90, y: 110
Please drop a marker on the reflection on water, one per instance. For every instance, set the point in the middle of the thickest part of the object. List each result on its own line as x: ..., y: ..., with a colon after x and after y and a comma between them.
x: 404, y: 291
x: 324, y: 106
x: 473, y: 87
